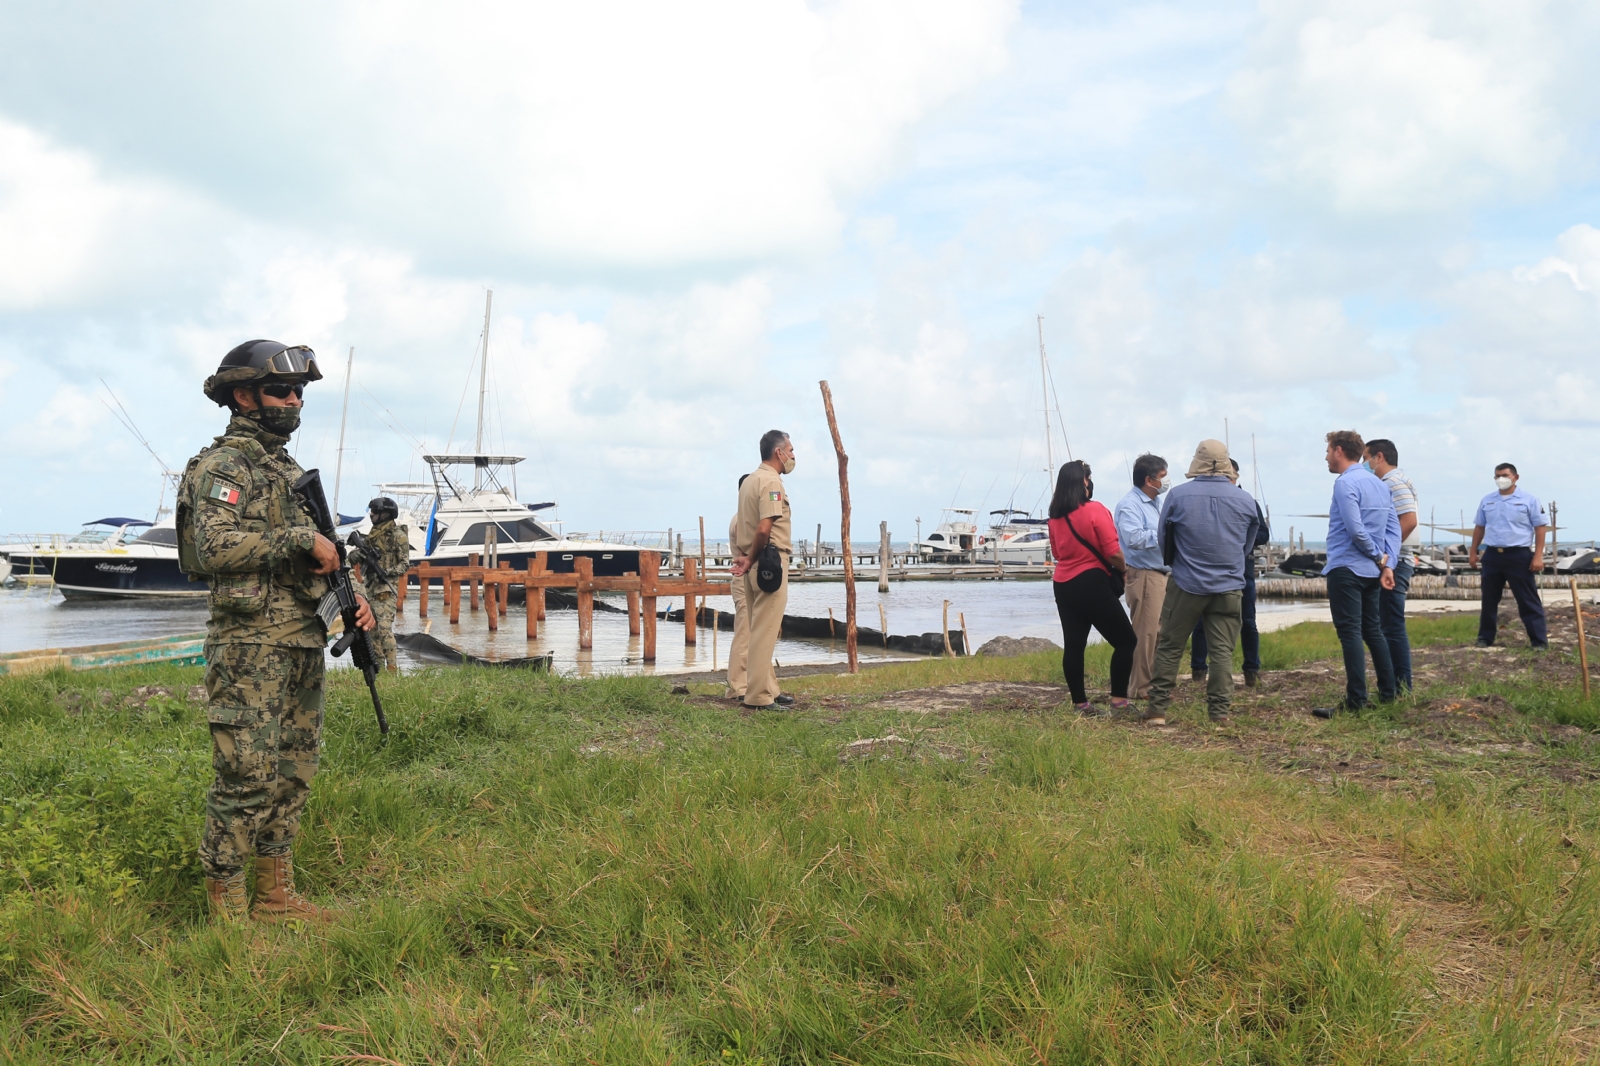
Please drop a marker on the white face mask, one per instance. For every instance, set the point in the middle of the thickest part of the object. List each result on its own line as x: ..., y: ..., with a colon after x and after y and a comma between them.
x: 1166, y: 483
x: 1503, y: 483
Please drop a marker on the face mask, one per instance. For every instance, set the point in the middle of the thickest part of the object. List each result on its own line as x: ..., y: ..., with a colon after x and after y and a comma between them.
x: 1367, y: 467
x: 1088, y: 489
x: 1503, y: 483
x: 1166, y: 483
x: 282, y: 421
x: 788, y: 465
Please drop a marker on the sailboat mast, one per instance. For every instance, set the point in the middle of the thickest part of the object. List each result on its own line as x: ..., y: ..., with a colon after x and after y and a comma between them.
x: 1044, y: 399
x: 344, y: 416
x: 483, y: 386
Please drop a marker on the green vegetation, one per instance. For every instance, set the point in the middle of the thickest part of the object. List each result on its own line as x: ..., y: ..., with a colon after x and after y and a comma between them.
x: 538, y: 869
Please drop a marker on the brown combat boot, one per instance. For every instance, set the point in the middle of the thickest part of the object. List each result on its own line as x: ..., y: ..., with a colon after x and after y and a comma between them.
x: 276, y: 899
x: 228, y: 900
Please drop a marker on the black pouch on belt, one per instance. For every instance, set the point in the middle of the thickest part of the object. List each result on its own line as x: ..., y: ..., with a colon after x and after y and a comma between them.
x: 769, y: 570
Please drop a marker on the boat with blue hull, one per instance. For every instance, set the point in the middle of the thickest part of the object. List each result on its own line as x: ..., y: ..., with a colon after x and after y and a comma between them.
x: 115, y: 566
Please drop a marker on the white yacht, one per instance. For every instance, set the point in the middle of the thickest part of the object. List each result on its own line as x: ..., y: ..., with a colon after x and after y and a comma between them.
x: 956, y: 540
x: 463, y: 514
x: 1016, y: 538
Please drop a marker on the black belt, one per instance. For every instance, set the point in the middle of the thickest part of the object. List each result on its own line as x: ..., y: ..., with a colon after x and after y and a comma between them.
x: 1518, y: 548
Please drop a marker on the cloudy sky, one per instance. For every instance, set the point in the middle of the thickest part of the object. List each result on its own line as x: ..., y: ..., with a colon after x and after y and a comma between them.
x: 1295, y: 215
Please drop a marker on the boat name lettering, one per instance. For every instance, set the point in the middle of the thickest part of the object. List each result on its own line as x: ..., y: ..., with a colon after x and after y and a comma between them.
x: 117, y: 568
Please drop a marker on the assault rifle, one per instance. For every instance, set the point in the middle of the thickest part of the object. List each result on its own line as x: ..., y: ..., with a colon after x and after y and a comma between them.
x: 340, y: 602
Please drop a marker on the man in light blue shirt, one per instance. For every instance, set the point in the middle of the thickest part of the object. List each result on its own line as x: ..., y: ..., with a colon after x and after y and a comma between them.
x: 1207, y: 527
x: 1510, y: 526
x: 1363, y: 545
x: 1138, y: 519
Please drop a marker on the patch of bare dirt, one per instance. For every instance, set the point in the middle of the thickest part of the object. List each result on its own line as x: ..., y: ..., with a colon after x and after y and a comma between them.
x: 977, y: 696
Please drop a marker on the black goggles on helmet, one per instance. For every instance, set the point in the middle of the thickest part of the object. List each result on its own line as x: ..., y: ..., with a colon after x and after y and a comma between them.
x: 293, y: 361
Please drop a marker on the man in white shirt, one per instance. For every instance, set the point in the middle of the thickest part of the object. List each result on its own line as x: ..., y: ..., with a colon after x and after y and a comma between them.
x: 1383, y: 459
x: 1138, y: 519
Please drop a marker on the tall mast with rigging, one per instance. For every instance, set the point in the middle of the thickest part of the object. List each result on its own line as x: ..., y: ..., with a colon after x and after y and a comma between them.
x: 338, y: 465
x: 1044, y: 399
x: 483, y: 386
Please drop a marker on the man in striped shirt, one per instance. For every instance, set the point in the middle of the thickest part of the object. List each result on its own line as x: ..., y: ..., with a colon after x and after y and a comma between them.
x: 1383, y: 459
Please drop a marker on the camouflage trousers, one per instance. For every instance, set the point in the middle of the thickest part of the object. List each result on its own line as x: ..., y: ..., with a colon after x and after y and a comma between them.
x: 382, y: 635
x: 265, y: 711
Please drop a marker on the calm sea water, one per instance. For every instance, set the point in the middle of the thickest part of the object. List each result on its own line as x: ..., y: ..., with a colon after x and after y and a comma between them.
x: 37, y: 618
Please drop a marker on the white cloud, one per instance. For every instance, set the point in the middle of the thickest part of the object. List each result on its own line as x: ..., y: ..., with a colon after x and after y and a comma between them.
x: 1374, y: 106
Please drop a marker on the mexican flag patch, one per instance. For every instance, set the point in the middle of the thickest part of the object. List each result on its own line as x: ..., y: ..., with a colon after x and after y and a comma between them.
x: 226, y: 493
x: 774, y: 496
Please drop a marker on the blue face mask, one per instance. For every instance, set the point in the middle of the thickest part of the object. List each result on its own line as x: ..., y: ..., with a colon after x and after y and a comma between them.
x: 1367, y: 466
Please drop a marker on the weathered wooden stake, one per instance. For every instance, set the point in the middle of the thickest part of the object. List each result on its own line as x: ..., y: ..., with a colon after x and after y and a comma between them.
x: 715, y: 624
x: 505, y: 590
x: 946, y: 628
x: 691, y: 614
x: 966, y: 641
x: 472, y: 561
x: 585, y: 567
x: 452, y: 594
x: 831, y: 633
x: 492, y: 592
x: 1583, y: 647
x: 883, y: 625
x: 532, y: 596
x: 883, y: 557
x: 649, y: 574
x: 633, y: 611
x: 844, y: 532
x: 422, y: 593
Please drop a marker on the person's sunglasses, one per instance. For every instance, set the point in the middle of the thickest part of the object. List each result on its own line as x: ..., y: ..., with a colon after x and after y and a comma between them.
x: 280, y: 391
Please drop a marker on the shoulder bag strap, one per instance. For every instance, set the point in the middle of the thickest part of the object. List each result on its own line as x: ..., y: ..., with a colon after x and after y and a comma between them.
x: 1103, y: 560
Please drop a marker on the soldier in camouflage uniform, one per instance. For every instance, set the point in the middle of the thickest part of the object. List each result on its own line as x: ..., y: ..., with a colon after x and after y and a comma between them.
x: 385, y: 555
x: 242, y: 531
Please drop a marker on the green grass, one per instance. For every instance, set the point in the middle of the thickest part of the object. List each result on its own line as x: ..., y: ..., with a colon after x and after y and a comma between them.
x: 544, y: 870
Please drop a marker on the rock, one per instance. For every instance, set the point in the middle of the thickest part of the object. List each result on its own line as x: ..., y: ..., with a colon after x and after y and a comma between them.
x: 197, y: 693
x: 870, y: 746
x: 1005, y: 647
x: 680, y: 690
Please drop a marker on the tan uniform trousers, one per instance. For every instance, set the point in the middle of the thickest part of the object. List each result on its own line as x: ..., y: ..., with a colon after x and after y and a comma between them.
x: 1146, y: 589
x: 739, y: 652
x: 766, y: 620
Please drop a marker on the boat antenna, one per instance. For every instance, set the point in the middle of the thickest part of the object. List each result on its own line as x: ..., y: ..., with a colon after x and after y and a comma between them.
x: 483, y: 386
x: 1044, y: 400
x: 122, y: 415
x: 344, y: 416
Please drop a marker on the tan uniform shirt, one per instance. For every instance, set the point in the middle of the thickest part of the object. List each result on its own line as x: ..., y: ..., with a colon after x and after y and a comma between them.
x: 763, y: 496
x: 733, y: 536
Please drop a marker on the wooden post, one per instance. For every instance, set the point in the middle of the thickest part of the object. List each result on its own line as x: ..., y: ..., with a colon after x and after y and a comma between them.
x: 585, y: 567
x: 423, y: 582
x: 844, y: 533
x: 528, y: 596
x: 966, y: 641
x: 544, y: 568
x: 452, y: 592
x: 505, y: 590
x: 1583, y: 648
x: 691, y: 614
x: 492, y: 594
x: 816, y: 547
x: 472, y: 579
x: 714, y: 638
x: 883, y: 623
x: 400, y: 599
x: 633, y: 609
x: 649, y: 573
x: 883, y: 557
x: 946, y: 630
x: 702, y: 544
x: 831, y: 634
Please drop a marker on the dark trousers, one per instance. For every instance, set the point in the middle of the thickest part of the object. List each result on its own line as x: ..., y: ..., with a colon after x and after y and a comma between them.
x: 1353, y: 602
x: 1249, y: 635
x: 1392, y: 609
x: 1509, y: 566
x: 1087, y: 602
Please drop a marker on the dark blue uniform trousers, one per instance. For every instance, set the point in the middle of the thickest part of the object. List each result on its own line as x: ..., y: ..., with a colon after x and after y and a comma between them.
x: 1509, y: 566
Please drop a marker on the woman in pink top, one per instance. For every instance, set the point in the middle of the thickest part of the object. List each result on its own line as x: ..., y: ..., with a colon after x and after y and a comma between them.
x: 1083, y: 540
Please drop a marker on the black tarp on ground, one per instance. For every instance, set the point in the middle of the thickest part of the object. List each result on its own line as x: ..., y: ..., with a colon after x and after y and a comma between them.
x: 798, y: 626
x: 433, y: 650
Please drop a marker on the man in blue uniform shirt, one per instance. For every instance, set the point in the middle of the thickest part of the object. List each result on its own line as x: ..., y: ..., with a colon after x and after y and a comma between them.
x: 1510, y: 527
x: 1363, y: 544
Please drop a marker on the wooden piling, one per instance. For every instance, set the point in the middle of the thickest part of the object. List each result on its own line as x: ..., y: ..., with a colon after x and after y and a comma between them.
x: 883, y: 557
x: 649, y: 576
x: 452, y: 593
x: 505, y: 589
x: 532, y: 596
x: 966, y: 641
x: 492, y: 593
x: 691, y: 612
x: 945, y: 631
x: 844, y: 532
x: 585, y: 568
x: 633, y: 611
x: 423, y: 584
x: 472, y: 561
x: 883, y: 625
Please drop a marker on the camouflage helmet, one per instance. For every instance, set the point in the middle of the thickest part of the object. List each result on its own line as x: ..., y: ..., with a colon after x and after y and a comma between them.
x: 258, y: 361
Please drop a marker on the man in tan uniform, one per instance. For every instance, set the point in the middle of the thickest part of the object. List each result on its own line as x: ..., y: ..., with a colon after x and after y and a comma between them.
x: 739, y: 651
x: 764, y: 519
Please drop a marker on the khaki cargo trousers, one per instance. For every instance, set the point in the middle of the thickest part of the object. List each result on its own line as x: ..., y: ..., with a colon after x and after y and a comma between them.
x: 766, y: 621
x: 739, y: 651
x: 1180, y: 611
